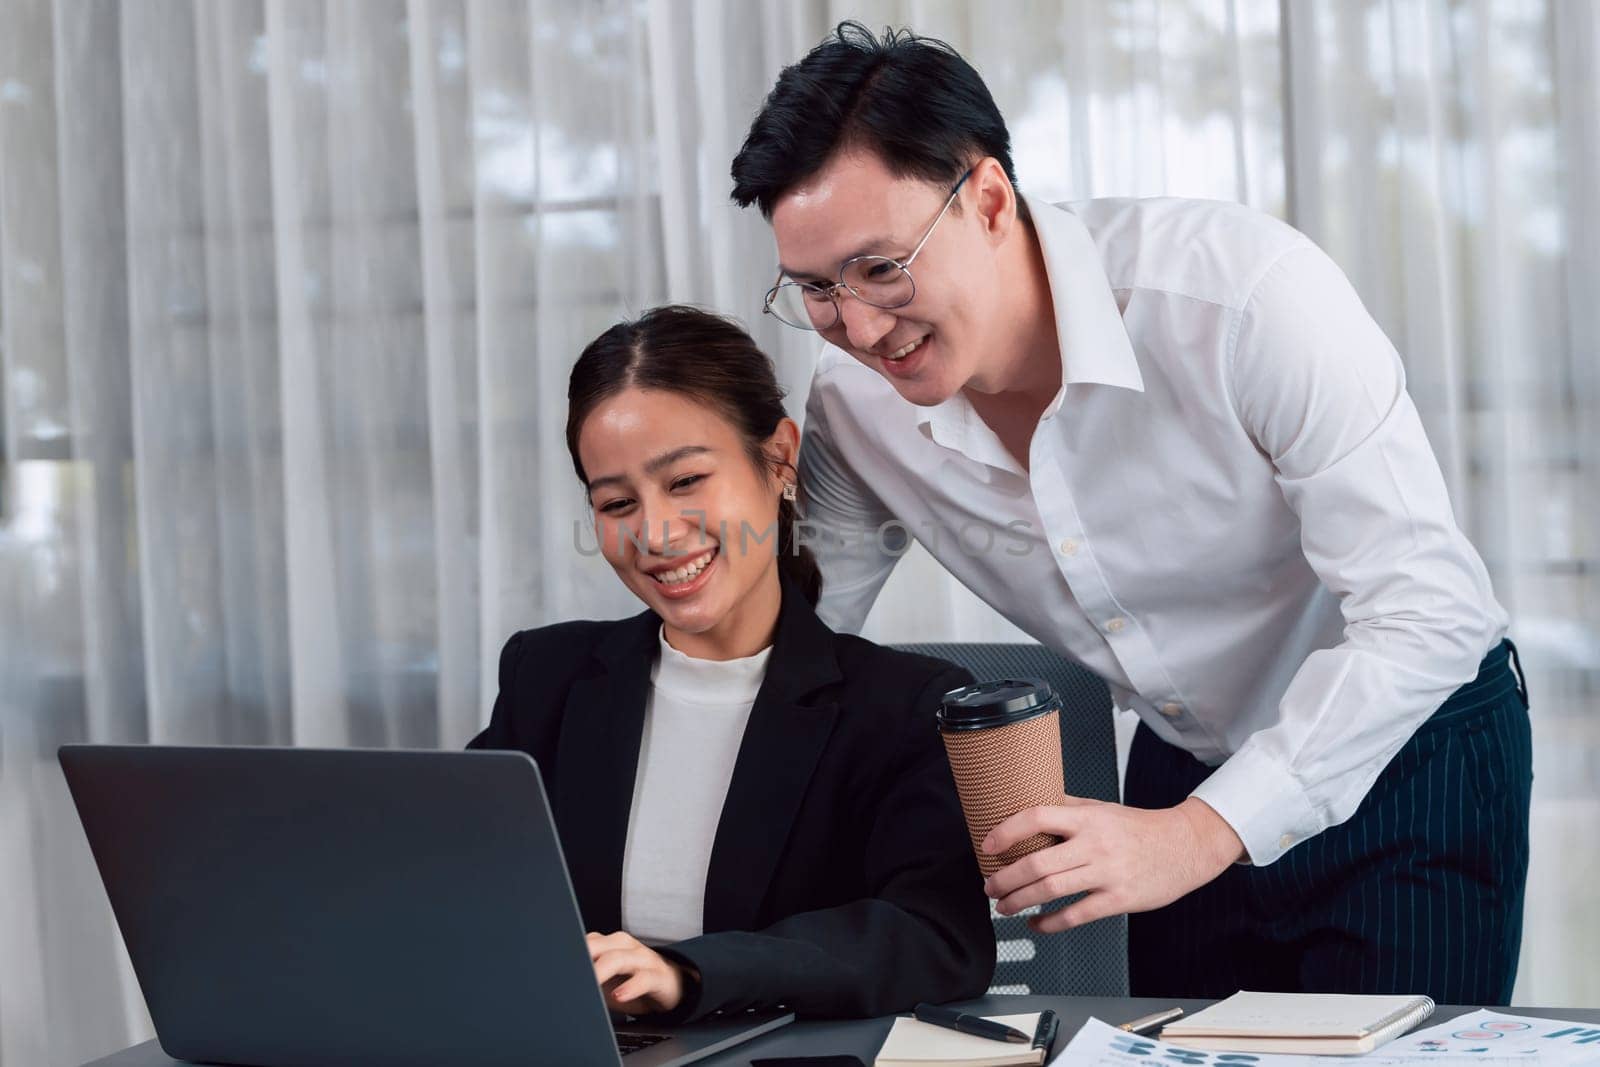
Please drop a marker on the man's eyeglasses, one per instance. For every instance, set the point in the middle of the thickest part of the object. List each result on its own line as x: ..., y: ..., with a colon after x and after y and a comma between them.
x: 876, y: 280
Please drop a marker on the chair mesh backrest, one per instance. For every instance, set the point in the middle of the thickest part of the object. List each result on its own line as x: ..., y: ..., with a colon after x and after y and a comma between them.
x: 1091, y: 960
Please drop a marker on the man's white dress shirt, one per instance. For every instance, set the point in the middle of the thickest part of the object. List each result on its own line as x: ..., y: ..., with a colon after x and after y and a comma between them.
x: 1231, y: 512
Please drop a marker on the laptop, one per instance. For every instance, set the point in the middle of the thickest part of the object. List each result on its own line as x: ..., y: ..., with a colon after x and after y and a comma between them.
x: 287, y: 907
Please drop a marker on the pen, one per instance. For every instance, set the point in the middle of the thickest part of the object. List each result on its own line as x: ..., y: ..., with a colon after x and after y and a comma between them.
x: 1045, y: 1035
x: 968, y: 1024
x: 1145, y: 1024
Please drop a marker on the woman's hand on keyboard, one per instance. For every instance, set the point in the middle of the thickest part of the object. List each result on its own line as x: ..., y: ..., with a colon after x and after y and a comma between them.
x: 635, y: 978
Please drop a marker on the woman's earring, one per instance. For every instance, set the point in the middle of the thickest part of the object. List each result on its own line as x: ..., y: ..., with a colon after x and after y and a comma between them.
x: 788, y: 491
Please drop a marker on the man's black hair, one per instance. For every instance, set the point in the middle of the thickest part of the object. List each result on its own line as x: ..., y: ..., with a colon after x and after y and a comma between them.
x: 913, y: 101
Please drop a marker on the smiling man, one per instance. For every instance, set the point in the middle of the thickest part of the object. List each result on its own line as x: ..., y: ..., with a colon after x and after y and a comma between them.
x: 1201, y: 477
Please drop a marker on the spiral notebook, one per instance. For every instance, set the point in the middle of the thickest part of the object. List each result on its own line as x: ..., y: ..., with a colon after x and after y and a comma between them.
x: 1334, y: 1024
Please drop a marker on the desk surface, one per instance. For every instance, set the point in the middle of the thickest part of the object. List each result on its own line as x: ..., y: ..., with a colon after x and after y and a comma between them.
x: 862, y: 1037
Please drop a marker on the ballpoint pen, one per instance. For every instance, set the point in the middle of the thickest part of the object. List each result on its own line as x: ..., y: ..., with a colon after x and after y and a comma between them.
x: 1148, y: 1023
x: 975, y: 1025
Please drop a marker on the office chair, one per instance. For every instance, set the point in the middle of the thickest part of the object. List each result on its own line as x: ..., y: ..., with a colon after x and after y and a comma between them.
x: 1091, y: 960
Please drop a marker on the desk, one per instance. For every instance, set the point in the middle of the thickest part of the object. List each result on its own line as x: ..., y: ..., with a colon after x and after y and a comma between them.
x: 862, y: 1037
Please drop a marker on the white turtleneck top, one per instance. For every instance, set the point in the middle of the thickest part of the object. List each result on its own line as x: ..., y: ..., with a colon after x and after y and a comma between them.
x: 694, y: 722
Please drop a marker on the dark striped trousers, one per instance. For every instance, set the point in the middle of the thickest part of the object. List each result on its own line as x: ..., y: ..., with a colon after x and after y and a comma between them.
x: 1420, y: 891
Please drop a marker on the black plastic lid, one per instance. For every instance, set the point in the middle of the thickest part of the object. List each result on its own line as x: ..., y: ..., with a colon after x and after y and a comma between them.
x: 996, y: 703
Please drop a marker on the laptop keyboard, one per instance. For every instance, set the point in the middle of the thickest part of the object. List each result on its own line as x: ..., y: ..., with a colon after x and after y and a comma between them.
x: 627, y: 1043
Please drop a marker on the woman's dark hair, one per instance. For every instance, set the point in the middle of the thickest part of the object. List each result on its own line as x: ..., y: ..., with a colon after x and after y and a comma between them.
x: 911, y: 100
x: 707, y: 358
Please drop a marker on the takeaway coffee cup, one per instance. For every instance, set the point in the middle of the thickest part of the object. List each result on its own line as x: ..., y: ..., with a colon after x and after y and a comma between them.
x: 1004, y: 743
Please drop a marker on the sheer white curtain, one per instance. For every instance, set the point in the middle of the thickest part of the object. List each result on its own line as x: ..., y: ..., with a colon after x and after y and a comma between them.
x: 289, y: 291
x: 1448, y: 156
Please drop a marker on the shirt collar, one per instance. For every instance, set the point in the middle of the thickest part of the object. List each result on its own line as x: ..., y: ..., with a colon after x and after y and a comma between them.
x: 705, y: 681
x: 1095, y: 349
x: 1094, y: 341
x: 955, y: 424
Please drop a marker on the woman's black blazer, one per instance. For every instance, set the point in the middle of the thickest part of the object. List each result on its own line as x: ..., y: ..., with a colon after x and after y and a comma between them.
x: 841, y: 879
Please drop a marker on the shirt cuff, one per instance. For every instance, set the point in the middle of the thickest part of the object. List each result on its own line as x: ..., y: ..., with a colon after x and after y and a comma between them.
x: 1263, y: 803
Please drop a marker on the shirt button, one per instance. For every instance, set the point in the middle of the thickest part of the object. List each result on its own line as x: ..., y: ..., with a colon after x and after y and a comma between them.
x: 1286, y: 840
x: 1115, y: 626
x: 1069, y: 547
x: 1172, y: 711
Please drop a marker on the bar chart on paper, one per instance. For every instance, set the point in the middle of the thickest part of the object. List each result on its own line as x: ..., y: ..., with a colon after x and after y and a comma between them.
x: 1481, y: 1038
x: 1486, y: 1036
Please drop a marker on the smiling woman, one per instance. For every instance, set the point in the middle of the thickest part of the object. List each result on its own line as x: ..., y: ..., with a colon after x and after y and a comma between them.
x: 790, y: 833
x: 677, y: 429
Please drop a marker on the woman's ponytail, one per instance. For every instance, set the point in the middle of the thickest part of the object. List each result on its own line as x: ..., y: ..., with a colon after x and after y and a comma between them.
x: 794, y: 558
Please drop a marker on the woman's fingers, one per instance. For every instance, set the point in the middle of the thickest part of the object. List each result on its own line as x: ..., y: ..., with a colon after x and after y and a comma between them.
x: 599, y: 943
x: 637, y: 988
x: 626, y: 961
x: 654, y: 988
x: 633, y: 977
